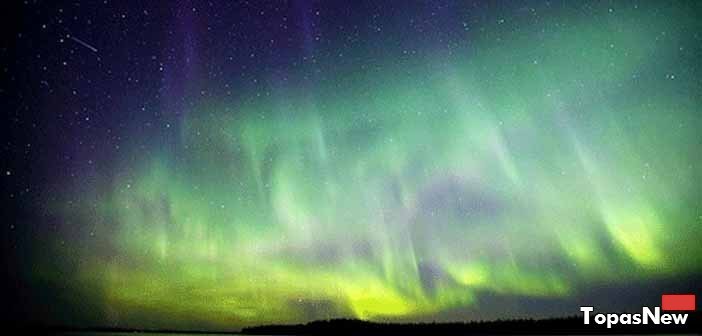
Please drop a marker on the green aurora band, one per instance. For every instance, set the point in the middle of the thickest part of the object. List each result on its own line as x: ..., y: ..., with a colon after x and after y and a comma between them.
x: 540, y: 165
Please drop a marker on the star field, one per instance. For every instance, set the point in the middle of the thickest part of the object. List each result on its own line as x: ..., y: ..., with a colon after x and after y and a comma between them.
x: 217, y: 165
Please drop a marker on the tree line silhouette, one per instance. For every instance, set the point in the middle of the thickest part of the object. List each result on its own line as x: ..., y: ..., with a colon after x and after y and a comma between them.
x: 565, y: 325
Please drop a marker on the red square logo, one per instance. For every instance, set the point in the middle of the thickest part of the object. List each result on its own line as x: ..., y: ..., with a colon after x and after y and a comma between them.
x: 678, y: 301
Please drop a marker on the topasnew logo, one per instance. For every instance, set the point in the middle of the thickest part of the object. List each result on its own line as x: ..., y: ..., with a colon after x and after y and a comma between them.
x: 647, y: 316
x: 669, y: 302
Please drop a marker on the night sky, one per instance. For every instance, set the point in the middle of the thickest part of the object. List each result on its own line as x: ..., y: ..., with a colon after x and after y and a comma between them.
x: 215, y: 165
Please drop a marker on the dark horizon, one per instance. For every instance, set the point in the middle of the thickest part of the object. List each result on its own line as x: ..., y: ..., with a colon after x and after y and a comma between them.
x: 571, y: 324
x: 597, y: 299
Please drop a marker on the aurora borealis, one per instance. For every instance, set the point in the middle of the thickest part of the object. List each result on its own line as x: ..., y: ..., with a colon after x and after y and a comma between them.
x: 225, y: 165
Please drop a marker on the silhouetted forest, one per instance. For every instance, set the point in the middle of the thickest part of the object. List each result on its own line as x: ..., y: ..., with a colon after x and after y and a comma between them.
x: 553, y: 326
x: 567, y: 325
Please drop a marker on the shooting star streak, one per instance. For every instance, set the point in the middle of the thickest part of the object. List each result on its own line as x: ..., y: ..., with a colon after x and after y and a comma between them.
x: 85, y: 44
